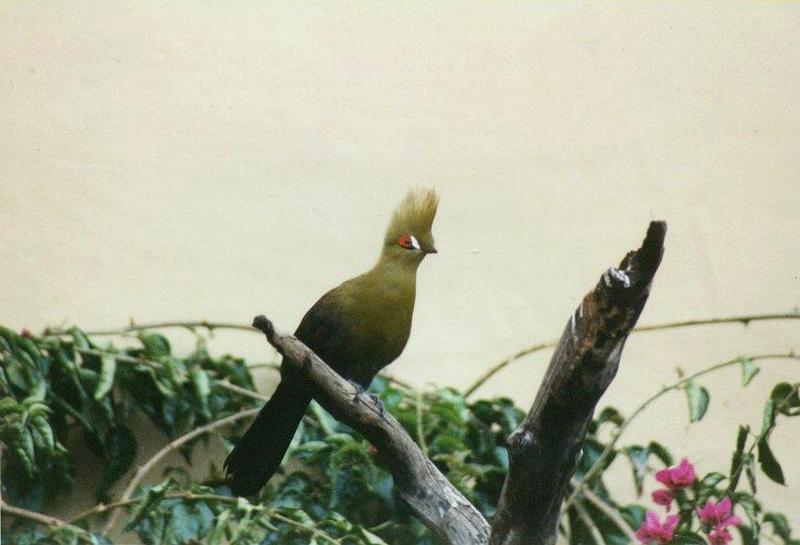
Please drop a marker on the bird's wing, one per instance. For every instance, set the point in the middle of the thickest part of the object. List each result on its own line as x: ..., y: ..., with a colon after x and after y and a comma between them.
x: 326, y: 329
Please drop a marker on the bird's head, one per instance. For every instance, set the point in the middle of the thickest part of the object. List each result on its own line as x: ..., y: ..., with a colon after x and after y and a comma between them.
x: 409, y: 238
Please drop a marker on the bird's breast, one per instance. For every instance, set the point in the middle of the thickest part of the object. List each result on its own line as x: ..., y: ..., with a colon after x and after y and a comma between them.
x: 384, y: 325
x: 361, y: 326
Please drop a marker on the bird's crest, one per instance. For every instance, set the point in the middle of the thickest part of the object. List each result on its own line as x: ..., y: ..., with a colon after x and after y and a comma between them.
x: 415, y: 214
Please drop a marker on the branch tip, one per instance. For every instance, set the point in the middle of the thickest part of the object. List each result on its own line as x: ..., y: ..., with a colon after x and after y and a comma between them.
x: 263, y: 324
x: 648, y: 257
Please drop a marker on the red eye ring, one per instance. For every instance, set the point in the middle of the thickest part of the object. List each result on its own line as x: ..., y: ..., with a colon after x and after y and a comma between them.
x: 406, y: 241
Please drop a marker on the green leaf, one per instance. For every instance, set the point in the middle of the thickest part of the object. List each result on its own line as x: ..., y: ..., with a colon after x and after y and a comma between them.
x: 638, y: 457
x: 748, y: 535
x: 153, y: 495
x: 108, y: 368
x: 785, y: 397
x: 9, y: 405
x: 780, y: 525
x: 750, y: 471
x: 736, y: 460
x: 120, y: 452
x: 592, y: 449
x: 752, y: 510
x: 99, y: 539
x: 749, y: 370
x: 688, y: 538
x: 780, y: 391
x: 66, y: 535
x: 190, y: 522
x: 768, y: 420
x: 661, y: 453
x: 610, y: 414
x: 155, y: 345
x: 43, y: 433
x: 370, y: 538
x: 201, y: 387
x: 20, y: 444
x: 220, y: 527
x: 769, y: 464
x: 79, y: 337
x: 698, y: 399
x: 36, y: 407
x: 712, y: 479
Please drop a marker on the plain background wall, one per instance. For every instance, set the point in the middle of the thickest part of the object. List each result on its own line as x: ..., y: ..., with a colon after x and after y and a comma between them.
x: 202, y: 160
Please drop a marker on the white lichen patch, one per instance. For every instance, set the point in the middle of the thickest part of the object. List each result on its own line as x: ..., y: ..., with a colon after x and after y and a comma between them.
x: 619, y: 277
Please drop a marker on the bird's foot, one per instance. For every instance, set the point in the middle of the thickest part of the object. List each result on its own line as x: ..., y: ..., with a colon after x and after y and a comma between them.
x: 379, y: 403
x: 360, y: 391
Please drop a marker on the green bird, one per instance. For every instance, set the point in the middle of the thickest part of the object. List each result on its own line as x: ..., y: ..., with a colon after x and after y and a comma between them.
x: 357, y: 328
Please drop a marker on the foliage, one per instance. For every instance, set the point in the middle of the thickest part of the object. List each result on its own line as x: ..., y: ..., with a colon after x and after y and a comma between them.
x: 66, y: 388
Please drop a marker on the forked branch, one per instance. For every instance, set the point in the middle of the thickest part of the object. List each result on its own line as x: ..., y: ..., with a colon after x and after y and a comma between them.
x: 545, y: 449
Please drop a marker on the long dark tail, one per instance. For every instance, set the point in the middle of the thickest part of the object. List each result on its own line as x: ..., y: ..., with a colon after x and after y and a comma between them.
x: 259, y: 452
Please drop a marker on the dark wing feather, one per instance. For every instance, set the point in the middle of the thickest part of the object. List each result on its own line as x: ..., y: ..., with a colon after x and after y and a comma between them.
x: 326, y: 331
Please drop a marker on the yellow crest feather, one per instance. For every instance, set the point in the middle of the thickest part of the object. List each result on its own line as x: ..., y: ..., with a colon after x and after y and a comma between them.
x: 415, y: 214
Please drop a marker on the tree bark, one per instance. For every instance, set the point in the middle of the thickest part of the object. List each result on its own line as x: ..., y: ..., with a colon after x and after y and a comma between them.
x: 543, y: 451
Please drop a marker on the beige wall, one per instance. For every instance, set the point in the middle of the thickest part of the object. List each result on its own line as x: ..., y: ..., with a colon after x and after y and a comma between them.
x: 217, y: 160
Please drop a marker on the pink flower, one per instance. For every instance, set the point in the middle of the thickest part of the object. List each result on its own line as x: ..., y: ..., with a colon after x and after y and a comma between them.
x: 662, y: 496
x: 653, y: 531
x: 718, y: 515
x: 719, y: 536
x: 676, y: 477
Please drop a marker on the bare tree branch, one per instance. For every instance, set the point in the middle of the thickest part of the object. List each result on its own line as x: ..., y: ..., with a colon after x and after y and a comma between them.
x: 442, y: 508
x: 545, y: 449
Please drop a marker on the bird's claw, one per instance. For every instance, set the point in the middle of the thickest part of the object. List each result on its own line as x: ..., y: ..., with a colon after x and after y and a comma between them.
x: 379, y: 403
x: 375, y: 399
x: 359, y: 390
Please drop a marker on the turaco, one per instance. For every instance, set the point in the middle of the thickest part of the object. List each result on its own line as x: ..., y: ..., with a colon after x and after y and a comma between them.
x: 357, y: 328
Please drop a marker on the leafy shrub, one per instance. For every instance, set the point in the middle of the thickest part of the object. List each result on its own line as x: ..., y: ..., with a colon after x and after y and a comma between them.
x: 62, y: 387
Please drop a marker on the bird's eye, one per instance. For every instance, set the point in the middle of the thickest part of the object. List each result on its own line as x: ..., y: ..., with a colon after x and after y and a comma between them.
x: 408, y: 242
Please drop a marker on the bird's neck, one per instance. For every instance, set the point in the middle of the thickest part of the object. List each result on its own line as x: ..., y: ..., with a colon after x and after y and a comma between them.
x: 400, y: 268
x: 395, y: 278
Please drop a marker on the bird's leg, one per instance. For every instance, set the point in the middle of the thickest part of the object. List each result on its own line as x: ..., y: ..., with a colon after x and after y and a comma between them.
x: 361, y: 391
x: 379, y: 403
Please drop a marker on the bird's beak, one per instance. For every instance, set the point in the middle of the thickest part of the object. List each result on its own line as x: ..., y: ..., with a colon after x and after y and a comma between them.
x: 431, y: 250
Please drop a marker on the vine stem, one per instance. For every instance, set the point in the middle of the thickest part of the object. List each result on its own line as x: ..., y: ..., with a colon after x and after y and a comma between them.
x: 171, y: 446
x: 133, y: 327
x: 241, y: 391
x: 44, y: 520
x: 744, y: 320
x: 587, y: 521
x: 596, y: 468
x: 609, y: 512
